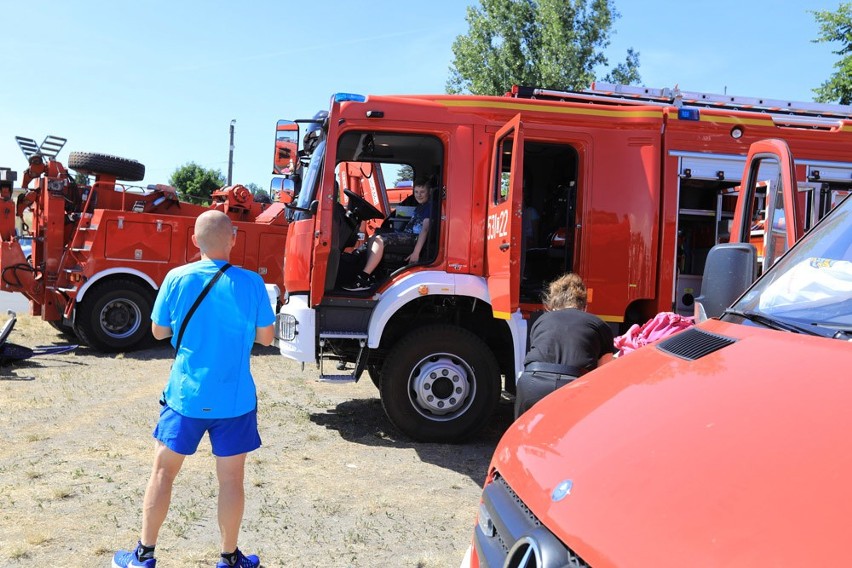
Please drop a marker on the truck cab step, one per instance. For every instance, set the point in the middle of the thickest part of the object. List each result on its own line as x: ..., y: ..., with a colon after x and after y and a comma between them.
x: 337, y: 378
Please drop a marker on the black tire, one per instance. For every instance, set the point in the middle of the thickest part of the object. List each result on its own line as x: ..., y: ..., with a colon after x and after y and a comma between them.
x: 115, y: 316
x: 441, y: 383
x: 375, y: 372
x: 66, y: 330
x: 91, y: 164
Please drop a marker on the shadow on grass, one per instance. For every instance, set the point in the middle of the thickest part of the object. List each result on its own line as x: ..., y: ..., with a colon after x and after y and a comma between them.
x: 159, y: 350
x: 363, y: 421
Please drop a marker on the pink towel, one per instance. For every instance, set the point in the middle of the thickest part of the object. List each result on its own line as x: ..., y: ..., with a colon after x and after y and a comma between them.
x: 662, y: 325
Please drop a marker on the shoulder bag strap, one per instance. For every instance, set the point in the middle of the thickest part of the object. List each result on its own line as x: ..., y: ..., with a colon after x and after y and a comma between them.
x: 200, y: 297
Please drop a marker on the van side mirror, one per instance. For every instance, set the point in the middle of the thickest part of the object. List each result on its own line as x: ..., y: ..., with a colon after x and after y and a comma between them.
x: 729, y: 270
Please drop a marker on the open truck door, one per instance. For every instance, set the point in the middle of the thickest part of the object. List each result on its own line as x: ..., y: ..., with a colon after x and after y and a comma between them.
x: 767, y: 205
x: 504, y: 223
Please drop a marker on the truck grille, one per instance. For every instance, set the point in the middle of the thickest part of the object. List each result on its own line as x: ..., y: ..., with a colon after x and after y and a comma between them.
x: 509, y: 534
x: 693, y: 344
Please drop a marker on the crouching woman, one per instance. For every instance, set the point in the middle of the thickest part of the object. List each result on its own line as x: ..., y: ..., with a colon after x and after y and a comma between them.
x: 566, y: 342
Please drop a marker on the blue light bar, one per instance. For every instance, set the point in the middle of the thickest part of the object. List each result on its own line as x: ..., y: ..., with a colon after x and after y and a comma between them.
x: 687, y: 113
x: 343, y: 97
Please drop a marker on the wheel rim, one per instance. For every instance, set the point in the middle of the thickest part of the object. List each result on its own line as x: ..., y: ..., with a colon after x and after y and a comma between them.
x: 120, y: 318
x: 441, y: 387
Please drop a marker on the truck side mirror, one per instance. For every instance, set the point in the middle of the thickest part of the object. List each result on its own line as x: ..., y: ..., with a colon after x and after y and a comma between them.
x: 286, y: 147
x: 282, y: 190
x: 729, y: 270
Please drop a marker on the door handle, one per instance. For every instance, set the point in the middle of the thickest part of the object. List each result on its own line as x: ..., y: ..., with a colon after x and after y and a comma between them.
x: 504, y: 246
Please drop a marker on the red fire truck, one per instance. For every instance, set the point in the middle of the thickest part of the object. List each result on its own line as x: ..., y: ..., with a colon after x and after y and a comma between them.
x: 628, y: 187
x: 100, y: 252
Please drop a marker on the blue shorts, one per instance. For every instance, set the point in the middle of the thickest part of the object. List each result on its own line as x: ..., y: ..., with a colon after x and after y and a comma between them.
x: 228, y: 436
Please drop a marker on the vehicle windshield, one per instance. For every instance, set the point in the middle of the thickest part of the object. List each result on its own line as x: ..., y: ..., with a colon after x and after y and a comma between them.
x: 311, y: 180
x: 810, y: 289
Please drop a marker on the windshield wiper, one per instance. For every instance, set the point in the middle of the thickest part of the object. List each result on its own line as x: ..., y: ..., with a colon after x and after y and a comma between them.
x: 835, y: 331
x: 774, y: 323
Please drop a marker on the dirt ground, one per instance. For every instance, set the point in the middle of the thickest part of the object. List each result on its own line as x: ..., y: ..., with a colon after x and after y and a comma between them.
x: 333, y: 485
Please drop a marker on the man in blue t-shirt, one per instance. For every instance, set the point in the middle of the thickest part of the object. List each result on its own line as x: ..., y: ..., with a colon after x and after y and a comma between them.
x: 210, y: 388
x: 413, y: 236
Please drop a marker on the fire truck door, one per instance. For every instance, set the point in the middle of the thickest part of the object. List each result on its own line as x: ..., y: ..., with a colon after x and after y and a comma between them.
x: 773, y: 220
x: 326, y: 252
x: 503, y: 225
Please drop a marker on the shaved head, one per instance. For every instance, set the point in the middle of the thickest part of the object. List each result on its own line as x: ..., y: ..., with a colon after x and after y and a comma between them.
x: 214, y: 233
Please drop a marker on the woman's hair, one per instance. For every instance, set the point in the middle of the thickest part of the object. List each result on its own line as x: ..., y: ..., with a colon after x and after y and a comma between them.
x: 567, y: 291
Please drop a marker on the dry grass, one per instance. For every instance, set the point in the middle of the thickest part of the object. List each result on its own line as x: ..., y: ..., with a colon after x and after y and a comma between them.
x: 333, y: 485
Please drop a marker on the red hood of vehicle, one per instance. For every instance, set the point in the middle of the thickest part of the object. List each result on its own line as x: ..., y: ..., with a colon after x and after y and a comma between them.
x: 740, y: 458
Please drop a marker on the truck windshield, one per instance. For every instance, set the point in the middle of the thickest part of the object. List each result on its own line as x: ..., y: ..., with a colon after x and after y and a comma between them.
x: 810, y: 288
x: 311, y: 180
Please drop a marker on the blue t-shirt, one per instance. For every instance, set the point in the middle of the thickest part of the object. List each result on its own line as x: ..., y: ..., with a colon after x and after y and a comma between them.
x: 210, y: 376
x: 421, y: 212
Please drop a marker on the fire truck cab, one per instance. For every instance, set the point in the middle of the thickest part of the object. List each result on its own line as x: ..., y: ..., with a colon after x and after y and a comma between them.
x: 627, y: 187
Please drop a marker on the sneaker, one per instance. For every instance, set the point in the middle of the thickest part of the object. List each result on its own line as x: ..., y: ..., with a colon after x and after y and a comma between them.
x: 127, y: 558
x: 243, y: 561
x: 361, y: 282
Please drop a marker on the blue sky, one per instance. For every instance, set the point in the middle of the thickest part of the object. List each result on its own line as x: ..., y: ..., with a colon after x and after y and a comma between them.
x: 159, y: 81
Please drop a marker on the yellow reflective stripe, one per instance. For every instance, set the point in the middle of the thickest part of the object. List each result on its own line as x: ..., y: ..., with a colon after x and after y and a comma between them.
x: 613, y: 319
x: 591, y: 111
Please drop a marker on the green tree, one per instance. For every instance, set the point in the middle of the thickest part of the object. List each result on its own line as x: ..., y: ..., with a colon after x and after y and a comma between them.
x: 196, y: 184
x: 405, y: 173
x: 553, y: 44
x: 260, y: 194
x: 836, y: 27
x: 81, y: 179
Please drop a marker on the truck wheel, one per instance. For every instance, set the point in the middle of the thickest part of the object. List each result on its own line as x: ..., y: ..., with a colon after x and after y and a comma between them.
x: 375, y: 372
x: 441, y: 383
x: 122, y: 168
x: 115, y: 316
x: 65, y: 330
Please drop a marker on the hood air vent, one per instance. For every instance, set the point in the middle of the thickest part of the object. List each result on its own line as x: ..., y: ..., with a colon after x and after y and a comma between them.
x: 692, y: 344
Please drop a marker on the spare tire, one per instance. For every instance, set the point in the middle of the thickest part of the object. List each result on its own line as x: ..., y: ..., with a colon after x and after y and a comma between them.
x: 89, y: 163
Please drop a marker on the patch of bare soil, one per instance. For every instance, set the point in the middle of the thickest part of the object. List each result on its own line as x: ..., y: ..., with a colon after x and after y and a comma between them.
x: 333, y: 485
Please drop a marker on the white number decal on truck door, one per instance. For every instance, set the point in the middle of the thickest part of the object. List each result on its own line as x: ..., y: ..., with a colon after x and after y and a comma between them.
x: 497, y: 224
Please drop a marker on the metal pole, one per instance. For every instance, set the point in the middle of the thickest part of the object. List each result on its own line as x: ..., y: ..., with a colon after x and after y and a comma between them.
x: 231, y: 153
